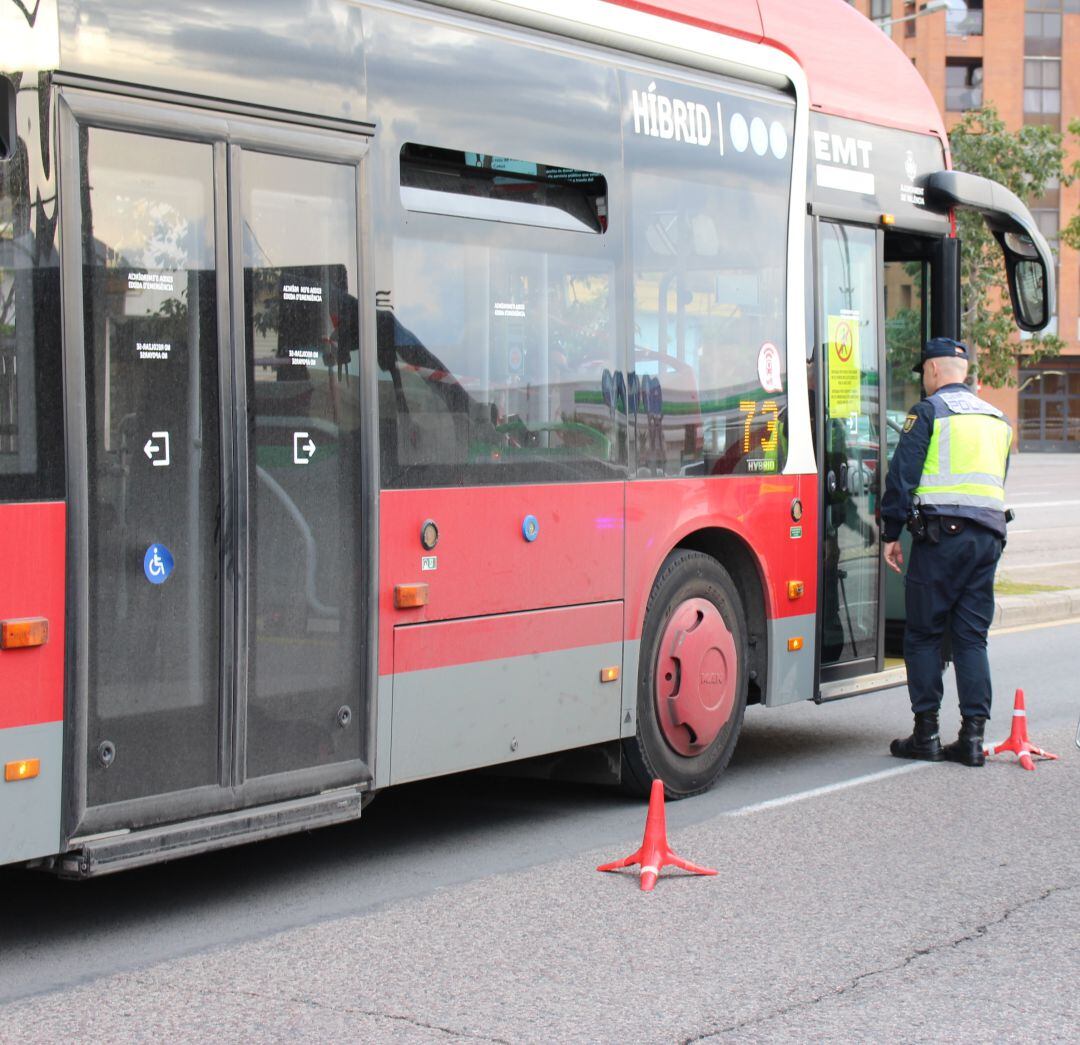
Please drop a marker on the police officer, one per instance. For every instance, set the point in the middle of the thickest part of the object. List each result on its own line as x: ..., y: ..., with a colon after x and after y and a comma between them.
x: 946, y: 482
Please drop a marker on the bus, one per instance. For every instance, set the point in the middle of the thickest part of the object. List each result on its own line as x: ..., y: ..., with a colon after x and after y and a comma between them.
x: 392, y: 388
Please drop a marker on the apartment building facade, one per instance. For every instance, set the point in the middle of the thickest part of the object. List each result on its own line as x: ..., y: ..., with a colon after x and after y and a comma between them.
x: 1015, y: 55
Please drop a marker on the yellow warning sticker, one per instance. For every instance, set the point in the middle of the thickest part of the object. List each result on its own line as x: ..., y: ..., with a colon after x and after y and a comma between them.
x: 844, y: 365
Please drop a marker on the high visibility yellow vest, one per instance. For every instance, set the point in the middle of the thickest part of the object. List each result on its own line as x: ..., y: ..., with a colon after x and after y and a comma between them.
x: 967, y: 456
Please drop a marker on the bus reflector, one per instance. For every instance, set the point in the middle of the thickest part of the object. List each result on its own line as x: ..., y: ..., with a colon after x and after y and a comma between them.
x: 795, y: 590
x: 794, y: 645
x: 409, y: 596
x: 19, y: 634
x: 24, y: 769
x: 609, y: 674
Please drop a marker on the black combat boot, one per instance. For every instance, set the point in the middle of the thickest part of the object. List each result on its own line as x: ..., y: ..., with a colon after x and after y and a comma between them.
x: 924, y: 743
x: 968, y: 748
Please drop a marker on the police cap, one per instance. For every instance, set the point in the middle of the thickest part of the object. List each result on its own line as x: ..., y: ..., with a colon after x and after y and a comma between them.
x: 940, y: 348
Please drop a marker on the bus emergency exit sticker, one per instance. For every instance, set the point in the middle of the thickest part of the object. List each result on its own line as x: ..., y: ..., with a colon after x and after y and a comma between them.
x: 157, y: 563
x: 844, y: 364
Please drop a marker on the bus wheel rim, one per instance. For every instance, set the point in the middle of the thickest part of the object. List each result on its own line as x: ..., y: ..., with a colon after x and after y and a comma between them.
x: 696, y: 677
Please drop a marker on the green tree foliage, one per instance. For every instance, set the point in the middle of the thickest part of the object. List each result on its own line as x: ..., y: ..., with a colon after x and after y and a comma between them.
x: 1070, y: 235
x: 1025, y: 161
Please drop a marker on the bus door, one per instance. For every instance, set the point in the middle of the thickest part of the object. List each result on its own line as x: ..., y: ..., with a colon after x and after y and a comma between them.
x: 917, y: 305
x: 216, y: 474
x: 849, y: 447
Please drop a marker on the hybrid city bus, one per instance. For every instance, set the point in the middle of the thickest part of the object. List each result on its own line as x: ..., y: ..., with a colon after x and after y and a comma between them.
x: 390, y: 389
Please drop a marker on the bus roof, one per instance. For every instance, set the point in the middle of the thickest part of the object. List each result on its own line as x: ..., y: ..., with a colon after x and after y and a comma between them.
x: 853, y: 68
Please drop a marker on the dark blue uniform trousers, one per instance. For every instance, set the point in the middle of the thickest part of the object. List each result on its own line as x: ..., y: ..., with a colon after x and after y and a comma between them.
x: 956, y: 575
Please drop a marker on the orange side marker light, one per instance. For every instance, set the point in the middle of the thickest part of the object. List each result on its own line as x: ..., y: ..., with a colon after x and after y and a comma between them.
x: 24, y: 632
x: 794, y: 645
x: 410, y: 596
x: 24, y: 769
x: 609, y: 674
x: 795, y: 590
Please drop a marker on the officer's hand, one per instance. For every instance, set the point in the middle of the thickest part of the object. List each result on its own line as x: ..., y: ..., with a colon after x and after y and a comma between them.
x: 894, y: 555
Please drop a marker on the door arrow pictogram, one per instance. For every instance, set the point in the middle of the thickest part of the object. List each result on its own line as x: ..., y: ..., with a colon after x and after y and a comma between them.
x: 303, y: 452
x: 152, y: 449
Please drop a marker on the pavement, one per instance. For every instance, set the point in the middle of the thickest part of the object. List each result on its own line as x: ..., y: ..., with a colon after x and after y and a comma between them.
x: 1043, y: 550
x: 1012, y: 611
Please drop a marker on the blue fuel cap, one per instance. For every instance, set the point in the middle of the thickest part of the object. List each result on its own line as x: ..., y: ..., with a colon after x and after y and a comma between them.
x: 530, y: 528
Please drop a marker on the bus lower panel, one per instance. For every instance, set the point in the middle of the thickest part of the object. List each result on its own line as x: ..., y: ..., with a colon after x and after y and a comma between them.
x: 122, y: 851
x: 30, y: 809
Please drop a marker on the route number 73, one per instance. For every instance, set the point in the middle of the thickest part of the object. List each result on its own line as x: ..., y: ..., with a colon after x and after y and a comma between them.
x: 770, y: 412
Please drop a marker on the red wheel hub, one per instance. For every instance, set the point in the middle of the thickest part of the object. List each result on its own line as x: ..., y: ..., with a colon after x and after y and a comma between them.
x: 696, y: 676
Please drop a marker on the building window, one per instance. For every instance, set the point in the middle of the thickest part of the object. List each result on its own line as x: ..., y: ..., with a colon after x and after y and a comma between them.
x: 1042, y: 90
x: 1050, y: 406
x: 880, y: 9
x: 1047, y: 214
x: 963, y: 84
x: 1067, y: 6
x: 1048, y: 220
x: 1042, y: 32
x: 964, y: 18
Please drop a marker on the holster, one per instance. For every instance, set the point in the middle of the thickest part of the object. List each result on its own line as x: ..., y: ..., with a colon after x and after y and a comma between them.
x: 923, y: 528
x: 916, y: 525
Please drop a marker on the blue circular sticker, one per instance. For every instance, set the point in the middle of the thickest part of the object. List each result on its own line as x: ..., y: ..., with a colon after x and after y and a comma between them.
x: 157, y: 563
x: 530, y: 528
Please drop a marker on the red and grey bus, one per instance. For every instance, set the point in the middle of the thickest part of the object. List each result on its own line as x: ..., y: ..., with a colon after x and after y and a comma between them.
x: 390, y: 389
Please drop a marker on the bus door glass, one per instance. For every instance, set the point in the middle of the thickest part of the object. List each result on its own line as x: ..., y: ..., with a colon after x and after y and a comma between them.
x: 849, y: 334
x: 302, y: 386
x: 153, y: 446
x: 908, y: 286
x: 214, y: 358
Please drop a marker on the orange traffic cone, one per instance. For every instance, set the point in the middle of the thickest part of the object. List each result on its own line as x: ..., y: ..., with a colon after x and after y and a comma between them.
x: 1018, y: 739
x: 654, y: 854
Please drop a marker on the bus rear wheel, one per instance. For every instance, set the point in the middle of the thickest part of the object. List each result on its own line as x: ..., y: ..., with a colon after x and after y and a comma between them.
x: 691, y: 679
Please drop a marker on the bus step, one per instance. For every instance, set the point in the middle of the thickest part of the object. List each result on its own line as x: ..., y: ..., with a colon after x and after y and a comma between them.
x: 895, y: 674
x: 157, y: 844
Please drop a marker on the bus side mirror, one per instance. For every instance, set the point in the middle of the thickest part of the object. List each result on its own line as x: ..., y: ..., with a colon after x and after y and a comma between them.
x: 9, y: 127
x: 1029, y: 260
x: 1027, y: 280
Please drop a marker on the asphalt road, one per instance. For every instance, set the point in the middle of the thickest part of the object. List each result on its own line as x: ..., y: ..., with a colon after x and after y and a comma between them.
x: 858, y: 899
x: 1044, y: 539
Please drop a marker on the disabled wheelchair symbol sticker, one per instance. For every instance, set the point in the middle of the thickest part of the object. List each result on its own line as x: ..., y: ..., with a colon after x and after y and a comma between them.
x: 157, y: 563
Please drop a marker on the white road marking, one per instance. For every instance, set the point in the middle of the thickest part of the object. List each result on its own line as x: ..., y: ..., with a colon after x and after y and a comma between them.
x: 842, y: 785
x: 869, y: 778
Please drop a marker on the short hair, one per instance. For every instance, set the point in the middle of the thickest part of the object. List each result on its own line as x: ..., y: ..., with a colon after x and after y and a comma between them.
x: 951, y: 365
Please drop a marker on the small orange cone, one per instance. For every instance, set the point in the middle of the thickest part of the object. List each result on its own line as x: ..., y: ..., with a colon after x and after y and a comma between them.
x: 654, y: 854
x: 1018, y: 741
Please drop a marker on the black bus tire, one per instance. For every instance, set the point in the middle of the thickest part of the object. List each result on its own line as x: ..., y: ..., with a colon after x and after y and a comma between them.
x: 688, y: 584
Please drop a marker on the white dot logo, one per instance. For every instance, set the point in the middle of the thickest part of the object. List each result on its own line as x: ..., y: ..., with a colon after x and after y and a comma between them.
x: 778, y: 139
x: 740, y: 133
x: 759, y: 136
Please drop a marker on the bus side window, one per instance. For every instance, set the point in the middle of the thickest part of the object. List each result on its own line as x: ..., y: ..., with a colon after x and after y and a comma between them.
x: 492, y: 355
